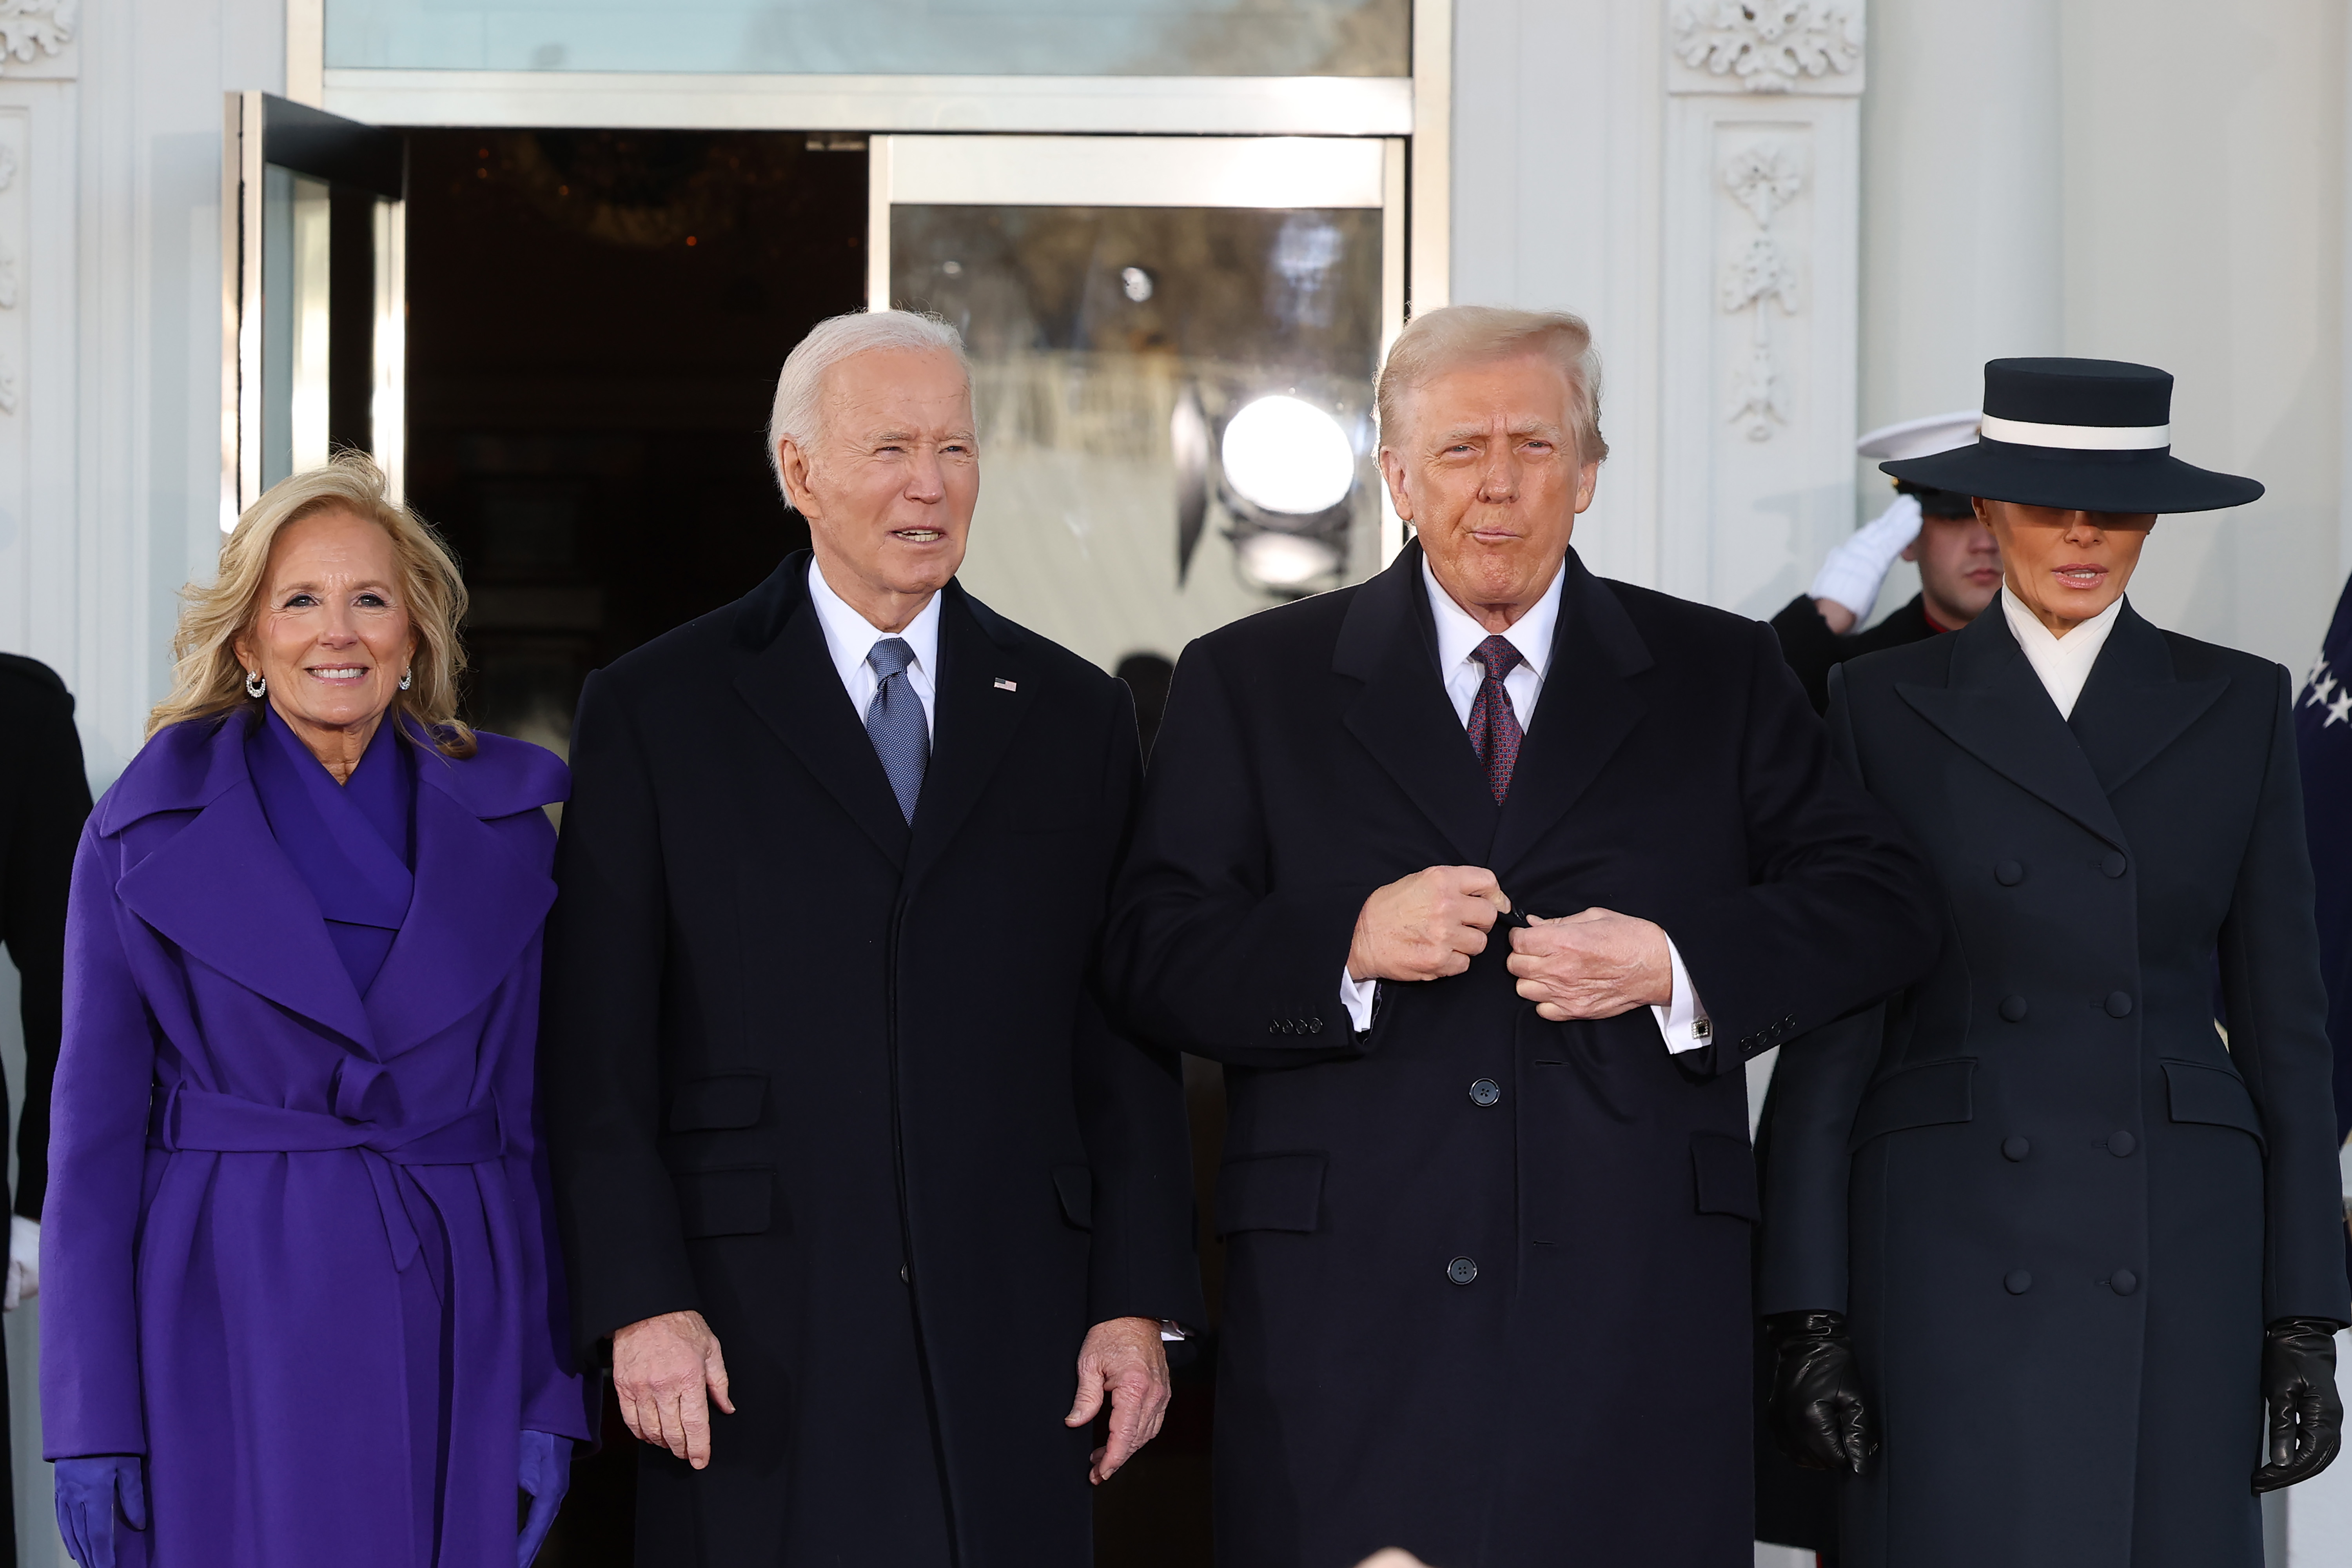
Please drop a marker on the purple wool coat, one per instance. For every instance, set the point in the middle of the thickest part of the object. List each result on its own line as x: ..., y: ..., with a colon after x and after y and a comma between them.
x: 295, y: 1251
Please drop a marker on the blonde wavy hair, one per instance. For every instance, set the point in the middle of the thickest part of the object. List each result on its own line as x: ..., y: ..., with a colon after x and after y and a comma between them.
x: 1459, y: 336
x: 207, y: 679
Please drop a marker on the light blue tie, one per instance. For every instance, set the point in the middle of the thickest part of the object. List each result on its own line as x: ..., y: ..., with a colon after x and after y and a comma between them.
x: 894, y: 722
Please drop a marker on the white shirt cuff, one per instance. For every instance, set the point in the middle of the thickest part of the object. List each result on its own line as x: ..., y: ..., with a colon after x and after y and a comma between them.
x: 1358, y: 996
x: 1682, y: 1021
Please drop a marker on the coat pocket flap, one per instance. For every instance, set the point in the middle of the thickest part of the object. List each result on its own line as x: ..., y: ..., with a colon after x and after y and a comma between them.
x: 738, y: 1202
x: 1724, y: 1169
x: 1931, y: 1095
x: 2213, y: 1096
x: 1076, y: 1185
x: 1271, y: 1191
x: 711, y: 1104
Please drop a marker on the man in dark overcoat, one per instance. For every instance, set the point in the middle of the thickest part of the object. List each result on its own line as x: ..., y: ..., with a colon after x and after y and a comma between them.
x: 1488, y: 1202
x: 841, y: 1138
x: 44, y: 800
x: 2044, y: 1237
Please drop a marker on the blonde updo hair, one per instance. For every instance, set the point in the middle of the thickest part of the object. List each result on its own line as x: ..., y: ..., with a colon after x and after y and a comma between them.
x: 207, y: 680
x: 1460, y: 336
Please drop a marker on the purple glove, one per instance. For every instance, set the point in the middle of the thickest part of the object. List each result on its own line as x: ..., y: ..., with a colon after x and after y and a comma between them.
x: 88, y: 1494
x: 546, y: 1474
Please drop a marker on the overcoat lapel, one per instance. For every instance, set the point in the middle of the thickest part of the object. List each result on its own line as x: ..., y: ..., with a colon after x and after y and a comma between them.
x: 1389, y: 642
x: 2134, y: 706
x: 984, y: 691
x: 1996, y: 708
x: 1588, y: 708
x: 791, y: 683
x: 227, y: 895
x: 476, y: 907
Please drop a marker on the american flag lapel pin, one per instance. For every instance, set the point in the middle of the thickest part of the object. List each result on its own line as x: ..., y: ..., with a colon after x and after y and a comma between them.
x: 1005, y: 685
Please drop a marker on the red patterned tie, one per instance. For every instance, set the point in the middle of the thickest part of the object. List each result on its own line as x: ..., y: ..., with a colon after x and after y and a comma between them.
x: 1494, y: 727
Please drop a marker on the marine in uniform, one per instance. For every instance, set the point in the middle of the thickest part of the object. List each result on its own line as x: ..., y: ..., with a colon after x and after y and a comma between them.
x: 1959, y: 565
x: 2042, y: 1241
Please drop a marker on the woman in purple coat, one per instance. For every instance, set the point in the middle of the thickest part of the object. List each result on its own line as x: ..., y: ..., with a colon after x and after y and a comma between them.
x: 301, y: 1299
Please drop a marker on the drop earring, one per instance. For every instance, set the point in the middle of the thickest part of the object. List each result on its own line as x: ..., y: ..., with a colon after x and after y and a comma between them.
x: 255, y: 687
x: 405, y: 676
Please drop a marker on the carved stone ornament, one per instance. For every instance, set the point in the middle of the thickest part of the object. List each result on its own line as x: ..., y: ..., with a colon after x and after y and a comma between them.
x: 1770, y: 46
x: 32, y: 28
x: 1762, y: 178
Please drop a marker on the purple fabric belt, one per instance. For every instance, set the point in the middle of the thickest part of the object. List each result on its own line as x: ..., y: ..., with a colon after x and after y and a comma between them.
x: 197, y: 1119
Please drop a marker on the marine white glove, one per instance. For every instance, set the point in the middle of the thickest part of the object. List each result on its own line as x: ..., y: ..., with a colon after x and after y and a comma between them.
x: 1856, y: 570
x: 24, y: 1262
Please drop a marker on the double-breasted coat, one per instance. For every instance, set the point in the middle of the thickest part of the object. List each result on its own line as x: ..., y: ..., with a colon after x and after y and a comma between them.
x: 295, y: 1253
x: 2056, y: 1202
x: 1488, y: 1278
x: 843, y: 1086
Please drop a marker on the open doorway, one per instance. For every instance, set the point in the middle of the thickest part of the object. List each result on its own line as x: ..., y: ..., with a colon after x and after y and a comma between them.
x: 595, y: 321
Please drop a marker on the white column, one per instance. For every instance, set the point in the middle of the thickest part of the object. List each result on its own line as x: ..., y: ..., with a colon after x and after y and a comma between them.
x: 1962, y: 215
x: 1761, y: 180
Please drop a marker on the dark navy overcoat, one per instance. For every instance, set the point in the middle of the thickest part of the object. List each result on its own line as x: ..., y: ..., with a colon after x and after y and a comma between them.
x: 2057, y: 1202
x: 1487, y: 1287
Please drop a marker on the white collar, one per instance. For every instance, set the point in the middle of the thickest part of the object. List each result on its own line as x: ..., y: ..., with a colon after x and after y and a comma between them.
x: 2064, y: 663
x: 1458, y: 635
x: 849, y: 637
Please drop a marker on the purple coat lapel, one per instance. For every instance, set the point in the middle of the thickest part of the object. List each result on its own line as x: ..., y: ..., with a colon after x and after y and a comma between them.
x: 222, y: 890
x: 483, y: 902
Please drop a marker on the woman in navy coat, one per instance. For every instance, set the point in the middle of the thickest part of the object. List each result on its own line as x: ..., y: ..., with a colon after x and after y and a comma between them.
x: 2040, y: 1237
x: 301, y: 1309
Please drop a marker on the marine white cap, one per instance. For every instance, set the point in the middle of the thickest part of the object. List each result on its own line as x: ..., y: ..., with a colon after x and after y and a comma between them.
x: 1920, y: 438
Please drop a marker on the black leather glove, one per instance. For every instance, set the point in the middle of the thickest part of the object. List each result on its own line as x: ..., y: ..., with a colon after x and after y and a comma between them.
x: 1816, y: 1412
x: 2306, y: 1413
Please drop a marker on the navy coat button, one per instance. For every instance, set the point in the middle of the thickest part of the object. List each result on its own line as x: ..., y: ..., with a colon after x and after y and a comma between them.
x: 905, y: 1278
x: 2012, y: 1008
x: 1486, y: 1091
x: 1314, y: 1025
x: 2009, y: 873
x: 2122, y: 1144
x: 2017, y: 1282
x: 2114, y: 865
x: 2015, y: 1149
x: 1462, y: 1270
x: 2118, y: 1004
x: 2123, y: 1281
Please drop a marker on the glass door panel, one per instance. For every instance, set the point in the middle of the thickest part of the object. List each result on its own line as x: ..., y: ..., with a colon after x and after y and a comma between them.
x: 311, y: 249
x: 1173, y: 345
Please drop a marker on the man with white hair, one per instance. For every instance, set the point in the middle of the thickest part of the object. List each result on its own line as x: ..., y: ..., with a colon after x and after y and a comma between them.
x: 842, y: 1143
x: 1484, y: 878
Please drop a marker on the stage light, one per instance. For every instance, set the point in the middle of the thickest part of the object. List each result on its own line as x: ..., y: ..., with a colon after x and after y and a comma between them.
x: 1288, y: 456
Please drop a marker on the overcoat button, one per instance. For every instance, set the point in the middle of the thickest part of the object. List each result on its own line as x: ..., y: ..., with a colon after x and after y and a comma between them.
x: 2009, y: 873
x: 2122, y: 1144
x: 2015, y: 1149
x: 904, y: 1278
x: 1486, y: 1091
x: 2118, y: 1004
x: 2017, y: 1282
x: 2124, y: 1280
x: 1462, y: 1271
x: 1314, y: 1025
x: 2114, y: 865
x: 2012, y: 1008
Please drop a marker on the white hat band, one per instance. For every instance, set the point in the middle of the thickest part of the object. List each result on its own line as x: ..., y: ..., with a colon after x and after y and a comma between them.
x: 2077, y: 438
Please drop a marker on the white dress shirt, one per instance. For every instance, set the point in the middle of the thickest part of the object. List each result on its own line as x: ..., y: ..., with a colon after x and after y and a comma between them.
x: 2063, y: 663
x: 849, y: 637
x: 1682, y: 1021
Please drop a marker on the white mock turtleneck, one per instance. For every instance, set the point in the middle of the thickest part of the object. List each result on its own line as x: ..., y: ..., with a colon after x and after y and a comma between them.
x: 2063, y: 663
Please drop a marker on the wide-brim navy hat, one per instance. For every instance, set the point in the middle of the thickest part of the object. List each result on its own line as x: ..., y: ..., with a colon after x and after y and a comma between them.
x: 2089, y: 435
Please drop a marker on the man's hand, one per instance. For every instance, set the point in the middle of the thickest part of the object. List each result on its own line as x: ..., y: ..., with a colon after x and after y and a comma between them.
x: 1596, y: 965
x: 1124, y: 1361
x: 1428, y: 926
x: 660, y: 1368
